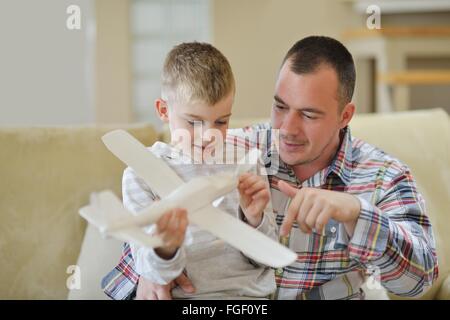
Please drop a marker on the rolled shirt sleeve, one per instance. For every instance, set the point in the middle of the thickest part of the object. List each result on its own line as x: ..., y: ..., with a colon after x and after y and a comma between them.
x: 394, y: 237
x: 137, y: 196
x: 156, y: 269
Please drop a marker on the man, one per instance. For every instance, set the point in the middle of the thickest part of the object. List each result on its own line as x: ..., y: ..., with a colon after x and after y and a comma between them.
x: 344, y: 206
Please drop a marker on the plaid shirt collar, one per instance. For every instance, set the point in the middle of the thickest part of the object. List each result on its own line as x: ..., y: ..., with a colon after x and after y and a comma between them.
x: 340, y: 166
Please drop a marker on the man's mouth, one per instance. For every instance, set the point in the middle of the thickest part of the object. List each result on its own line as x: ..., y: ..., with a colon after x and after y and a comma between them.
x: 292, y: 145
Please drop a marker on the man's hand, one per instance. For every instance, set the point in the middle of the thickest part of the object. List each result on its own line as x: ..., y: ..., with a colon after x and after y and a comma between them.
x: 148, y: 290
x: 312, y: 209
x: 254, y: 196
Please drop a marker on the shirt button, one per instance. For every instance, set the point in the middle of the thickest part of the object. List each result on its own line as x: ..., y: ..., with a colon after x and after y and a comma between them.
x: 333, y: 229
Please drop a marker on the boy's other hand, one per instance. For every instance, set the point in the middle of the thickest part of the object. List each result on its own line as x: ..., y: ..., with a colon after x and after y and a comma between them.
x: 172, y: 228
x: 254, y: 197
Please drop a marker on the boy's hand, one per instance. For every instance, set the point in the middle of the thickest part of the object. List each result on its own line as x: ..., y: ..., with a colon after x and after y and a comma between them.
x: 172, y: 228
x: 254, y: 196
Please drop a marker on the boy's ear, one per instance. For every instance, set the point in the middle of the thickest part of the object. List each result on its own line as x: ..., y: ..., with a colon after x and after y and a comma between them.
x: 162, y: 109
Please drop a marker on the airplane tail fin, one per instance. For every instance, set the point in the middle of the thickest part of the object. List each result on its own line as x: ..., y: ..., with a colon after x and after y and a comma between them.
x: 104, y: 209
x: 106, y: 212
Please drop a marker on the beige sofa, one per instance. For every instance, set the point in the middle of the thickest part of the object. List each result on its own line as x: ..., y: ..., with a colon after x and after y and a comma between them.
x: 48, y: 173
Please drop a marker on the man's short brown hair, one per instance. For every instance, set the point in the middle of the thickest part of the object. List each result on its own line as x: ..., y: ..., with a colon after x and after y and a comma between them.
x: 310, y: 53
x: 196, y: 71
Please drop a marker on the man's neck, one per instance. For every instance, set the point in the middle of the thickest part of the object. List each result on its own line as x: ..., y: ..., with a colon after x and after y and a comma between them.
x: 307, y: 170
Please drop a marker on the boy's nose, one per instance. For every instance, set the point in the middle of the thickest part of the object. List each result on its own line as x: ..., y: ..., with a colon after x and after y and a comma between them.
x: 205, y: 142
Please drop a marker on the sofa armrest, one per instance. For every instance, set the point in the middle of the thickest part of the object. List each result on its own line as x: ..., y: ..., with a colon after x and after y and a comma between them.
x: 444, y: 290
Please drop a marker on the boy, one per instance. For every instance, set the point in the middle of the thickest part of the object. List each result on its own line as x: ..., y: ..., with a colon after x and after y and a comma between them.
x: 198, y: 88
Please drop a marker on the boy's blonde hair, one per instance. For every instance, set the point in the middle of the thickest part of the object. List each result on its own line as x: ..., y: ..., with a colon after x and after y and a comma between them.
x: 196, y: 71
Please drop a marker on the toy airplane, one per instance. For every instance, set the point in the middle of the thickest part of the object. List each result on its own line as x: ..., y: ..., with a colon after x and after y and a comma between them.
x: 197, y: 196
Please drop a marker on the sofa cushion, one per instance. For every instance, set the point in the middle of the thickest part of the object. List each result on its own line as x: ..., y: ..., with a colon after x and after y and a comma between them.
x: 97, y: 257
x: 421, y: 140
x: 47, y: 175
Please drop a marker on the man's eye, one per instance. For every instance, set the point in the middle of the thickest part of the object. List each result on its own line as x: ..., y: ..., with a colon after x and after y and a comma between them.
x: 221, y: 123
x: 280, y: 107
x: 309, y: 117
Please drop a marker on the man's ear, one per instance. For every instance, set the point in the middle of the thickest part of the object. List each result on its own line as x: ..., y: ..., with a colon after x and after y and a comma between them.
x: 162, y: 109
x: 347, y: 114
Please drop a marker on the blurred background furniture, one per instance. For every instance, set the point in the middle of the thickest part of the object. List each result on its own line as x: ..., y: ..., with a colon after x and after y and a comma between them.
x: 402, y: 54
x: 394, y: 51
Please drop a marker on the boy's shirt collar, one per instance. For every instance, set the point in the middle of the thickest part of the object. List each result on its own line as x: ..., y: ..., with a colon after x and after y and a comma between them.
x: 164, y: 150
x: 235, y: 149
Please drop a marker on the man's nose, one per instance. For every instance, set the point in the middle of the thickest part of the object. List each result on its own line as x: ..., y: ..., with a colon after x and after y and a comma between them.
x: 291, y: 124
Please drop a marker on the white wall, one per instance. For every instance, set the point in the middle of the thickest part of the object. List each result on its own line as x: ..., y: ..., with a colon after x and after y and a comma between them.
x: 46, y: 73
x: 112, y: 62
x: 256, y: 34
x: 156, y: 26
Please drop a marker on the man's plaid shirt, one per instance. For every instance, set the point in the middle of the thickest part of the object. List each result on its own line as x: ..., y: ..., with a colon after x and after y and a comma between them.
x: 393, y: 237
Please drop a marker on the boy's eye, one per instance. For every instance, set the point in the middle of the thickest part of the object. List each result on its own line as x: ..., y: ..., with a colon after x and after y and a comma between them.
x: 221, y: 123
x: 195, y: 122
